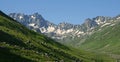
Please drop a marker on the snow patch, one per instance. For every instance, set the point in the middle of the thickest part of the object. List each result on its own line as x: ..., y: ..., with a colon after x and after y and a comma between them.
x: 36, y: 26
x: 105, y: 24
x: 59, y: 32
x: 118, y: 18
x: 33, y: 17
x: 80, y: 32
x: 32, y: 24
x: 43, y: 30
x: 50, y: 29
x: 99, y: 22
x: 69, y: 30
x: 112, y: 24
x: 20, y: 17
x: 76, y: 31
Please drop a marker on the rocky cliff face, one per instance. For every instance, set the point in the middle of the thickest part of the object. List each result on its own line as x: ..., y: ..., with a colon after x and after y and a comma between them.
x: 63, y: 30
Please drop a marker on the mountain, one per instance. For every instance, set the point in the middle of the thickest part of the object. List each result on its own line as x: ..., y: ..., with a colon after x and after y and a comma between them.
x: 20, y: 44
x: 64, y: 32
x: 105, y: 39
x: 37, y: 23
x: 17, y: 43
x: 99, y: 35
x: 61, y: 31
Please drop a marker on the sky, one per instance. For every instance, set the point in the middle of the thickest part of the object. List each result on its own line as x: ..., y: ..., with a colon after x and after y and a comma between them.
x: 57, y: 11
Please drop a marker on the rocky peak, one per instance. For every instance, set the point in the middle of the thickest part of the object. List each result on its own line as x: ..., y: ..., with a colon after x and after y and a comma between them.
x: 37, y: 23
x: 117, y: 17
x: 65, y: 25
x: 36, y: 16
x: 89, y: 23
x: 101, y: 19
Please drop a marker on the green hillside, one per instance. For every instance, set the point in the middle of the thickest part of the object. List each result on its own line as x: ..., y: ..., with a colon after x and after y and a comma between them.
x: 19, y: 44
x: 106, y: 40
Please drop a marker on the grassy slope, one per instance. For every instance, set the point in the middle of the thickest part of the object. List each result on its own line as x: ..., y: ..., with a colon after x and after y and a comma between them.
x: 20, y: 44
x: 107, y: 41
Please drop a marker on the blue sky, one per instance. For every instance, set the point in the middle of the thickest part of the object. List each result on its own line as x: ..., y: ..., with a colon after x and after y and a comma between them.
x: 56, y: 11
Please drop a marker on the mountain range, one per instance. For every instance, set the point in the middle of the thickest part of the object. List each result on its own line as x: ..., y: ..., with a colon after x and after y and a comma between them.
x: 99, y: 35
x: 18, y: 43
x: 64, y: 30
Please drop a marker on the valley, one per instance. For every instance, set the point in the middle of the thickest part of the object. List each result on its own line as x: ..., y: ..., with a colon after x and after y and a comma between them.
x: 18, y: 43
x: 99, y: 35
